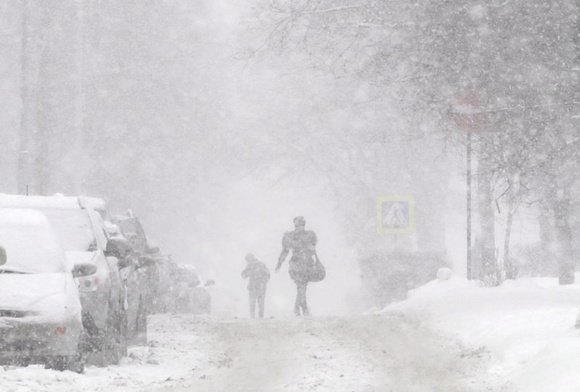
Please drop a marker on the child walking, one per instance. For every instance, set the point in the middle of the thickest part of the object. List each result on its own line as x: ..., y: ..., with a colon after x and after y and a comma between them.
x: 258, y: 275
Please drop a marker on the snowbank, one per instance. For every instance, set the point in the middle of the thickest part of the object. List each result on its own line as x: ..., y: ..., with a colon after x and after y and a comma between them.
x: 527, y: 325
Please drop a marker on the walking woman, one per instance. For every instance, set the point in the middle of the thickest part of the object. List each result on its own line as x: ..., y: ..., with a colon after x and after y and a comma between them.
x: 303, y: 246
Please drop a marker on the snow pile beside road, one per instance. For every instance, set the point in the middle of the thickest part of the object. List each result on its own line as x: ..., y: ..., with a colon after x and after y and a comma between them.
x: 527, y: 325
x: 171, y: 356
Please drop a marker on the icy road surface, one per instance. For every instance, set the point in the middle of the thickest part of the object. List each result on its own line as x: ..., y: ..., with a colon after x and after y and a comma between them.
x: 388, y: 352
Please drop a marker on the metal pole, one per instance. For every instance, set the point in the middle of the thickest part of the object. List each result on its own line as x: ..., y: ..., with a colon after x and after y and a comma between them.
x: 468, y: 239
x: 24, y: 168
x: 80, y: 97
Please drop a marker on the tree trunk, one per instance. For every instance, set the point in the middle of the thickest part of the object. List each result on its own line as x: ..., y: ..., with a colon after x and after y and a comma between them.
x: 547, y: 257
x: 561, y: 205
x: 488, y: 262
x: 510, y: 269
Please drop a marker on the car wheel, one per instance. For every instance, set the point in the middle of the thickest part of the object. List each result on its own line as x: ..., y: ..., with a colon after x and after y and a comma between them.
x: 141, y: 323
x: 116, y: 338
x: 123, y: 336
x: 24, y: 362
x: 76, y: 364
x: 62, y: 363
x: 56, y: 363
x: 112, y: 351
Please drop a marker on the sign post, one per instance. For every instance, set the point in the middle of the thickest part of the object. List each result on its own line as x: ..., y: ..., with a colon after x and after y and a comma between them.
x: 467, y: 115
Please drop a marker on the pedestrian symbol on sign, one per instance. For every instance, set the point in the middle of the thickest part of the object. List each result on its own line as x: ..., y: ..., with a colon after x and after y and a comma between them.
x: 395, y: 215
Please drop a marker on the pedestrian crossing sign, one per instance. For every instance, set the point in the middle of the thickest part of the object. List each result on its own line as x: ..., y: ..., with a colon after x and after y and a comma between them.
x: 395, y: 214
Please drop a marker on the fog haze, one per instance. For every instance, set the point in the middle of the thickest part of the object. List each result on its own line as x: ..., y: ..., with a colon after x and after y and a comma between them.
x: 217, y: 123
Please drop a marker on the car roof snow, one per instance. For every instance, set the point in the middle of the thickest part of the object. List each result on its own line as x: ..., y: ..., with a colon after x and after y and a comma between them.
x: 57, y: 201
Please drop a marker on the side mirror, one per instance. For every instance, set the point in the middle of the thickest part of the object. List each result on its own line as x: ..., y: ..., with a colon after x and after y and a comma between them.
x: 210, y: 282
x: 3, y: 257
x: 124, y: 262
x: 146, y: 261
x: 118, y: 247
x: 81, y: 270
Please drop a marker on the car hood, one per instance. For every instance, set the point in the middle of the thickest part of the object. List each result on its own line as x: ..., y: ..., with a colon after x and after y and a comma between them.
x: 33, y: 294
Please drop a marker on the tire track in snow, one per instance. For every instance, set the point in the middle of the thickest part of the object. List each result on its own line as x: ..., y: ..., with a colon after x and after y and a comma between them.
x: 383, y: 353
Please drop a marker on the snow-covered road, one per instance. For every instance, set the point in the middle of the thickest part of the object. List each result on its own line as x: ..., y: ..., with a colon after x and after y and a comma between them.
x: 389, y: 352
x: 371, y: 353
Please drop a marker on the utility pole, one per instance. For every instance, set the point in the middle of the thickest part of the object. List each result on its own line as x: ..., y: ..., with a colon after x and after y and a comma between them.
x: 468, y: 175
x: 79, y: 119
x: 26, y: 115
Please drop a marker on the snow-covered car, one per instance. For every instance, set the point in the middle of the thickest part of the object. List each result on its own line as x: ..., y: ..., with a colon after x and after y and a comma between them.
x: 225, y: 302
x: 181, y: 288
x: 82, y: 235
x: 40, y: 310
x: 141, y: 277
x: 191, y: 295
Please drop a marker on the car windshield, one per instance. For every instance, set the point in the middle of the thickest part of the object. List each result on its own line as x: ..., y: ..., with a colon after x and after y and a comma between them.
x: 73, y: 228
x: 128, y: 226
x: 30, y: 243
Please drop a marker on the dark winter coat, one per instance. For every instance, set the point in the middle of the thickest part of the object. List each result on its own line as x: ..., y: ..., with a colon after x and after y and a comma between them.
x: 303, y: 246
x: 258, y: 275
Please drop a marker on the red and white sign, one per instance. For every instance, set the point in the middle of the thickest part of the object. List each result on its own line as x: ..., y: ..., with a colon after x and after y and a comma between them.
x: 468, y: 110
